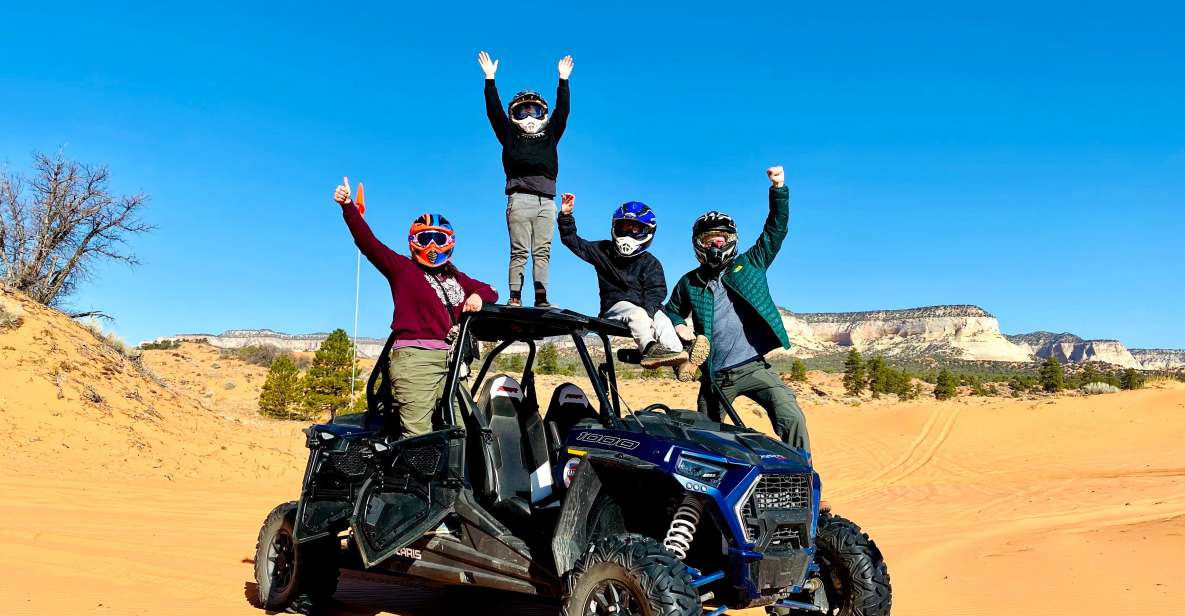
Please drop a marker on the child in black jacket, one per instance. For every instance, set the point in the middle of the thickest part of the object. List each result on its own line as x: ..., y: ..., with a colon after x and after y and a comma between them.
x: 529, y: 138
x: 631, y: 280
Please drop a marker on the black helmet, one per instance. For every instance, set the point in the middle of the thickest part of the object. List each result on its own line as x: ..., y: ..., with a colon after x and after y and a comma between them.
x: 717, y: 225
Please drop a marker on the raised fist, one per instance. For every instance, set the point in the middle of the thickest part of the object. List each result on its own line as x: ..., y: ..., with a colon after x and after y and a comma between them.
x: 342, y: 194
x: 488, y: 66
x: 565, y: 67
x: 777, y: 176
x: 567, y: 203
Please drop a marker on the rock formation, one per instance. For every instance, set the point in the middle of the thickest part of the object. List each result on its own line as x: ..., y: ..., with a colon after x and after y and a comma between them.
x: 239, y: 338
x: 1160, y: 359
x: 1068, y: 348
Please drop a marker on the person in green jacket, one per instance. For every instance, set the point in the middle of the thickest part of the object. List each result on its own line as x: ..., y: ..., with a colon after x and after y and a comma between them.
x: 728, y: 298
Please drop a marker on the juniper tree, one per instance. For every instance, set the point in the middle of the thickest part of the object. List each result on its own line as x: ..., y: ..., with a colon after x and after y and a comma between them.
x: 944, y: 385
x: 877, y: 376
x: 327, y: 384
x: 798, y: 371
x: 853, y: 373
x: 281, y: 394
x: 1052, y: 378
x: 549, y: 359
x: 1131, y: 379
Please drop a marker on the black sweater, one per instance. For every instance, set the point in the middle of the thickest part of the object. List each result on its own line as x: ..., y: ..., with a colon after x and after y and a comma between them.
x: 530, y: 161
x: 638, y: 280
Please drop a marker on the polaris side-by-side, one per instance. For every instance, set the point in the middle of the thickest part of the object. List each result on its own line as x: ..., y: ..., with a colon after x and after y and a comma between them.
x: 657, y: 511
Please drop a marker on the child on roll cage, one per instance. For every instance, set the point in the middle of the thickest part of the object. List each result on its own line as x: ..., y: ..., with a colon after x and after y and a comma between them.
x: 630, y: 279
x: 529, y: 139
x: 429, y: 294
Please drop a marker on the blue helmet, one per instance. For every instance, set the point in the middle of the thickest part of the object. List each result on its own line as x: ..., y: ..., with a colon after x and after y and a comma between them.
x: 634, y: 224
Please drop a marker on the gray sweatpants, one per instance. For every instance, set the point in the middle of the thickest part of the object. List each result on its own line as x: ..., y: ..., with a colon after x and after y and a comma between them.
x: 644, y: 328
x: 530, y: 219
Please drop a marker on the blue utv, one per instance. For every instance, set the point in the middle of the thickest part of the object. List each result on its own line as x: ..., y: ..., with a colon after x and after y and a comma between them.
x: 653, y: 512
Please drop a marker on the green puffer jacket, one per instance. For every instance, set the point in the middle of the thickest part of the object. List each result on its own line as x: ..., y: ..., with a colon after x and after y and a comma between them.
x: 745, y: 276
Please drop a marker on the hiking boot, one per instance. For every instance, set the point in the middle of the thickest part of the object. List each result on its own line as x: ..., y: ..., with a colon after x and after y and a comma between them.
x: 697, y: 351
x: 656, y: 355
x: 685, y: 372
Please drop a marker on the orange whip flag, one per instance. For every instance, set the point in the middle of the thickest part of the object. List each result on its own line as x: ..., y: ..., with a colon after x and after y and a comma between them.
x: 360, y: 200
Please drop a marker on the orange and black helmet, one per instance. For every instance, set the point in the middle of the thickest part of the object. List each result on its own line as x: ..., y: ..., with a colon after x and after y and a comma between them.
x: 431, y: 240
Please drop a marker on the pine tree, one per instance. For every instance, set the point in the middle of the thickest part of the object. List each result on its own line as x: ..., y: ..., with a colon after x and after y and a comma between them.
x: 1052, y: 378
x: 549, y: 360
x: 798, y: 371
x: 1089, y: 374
x: 878, y: 376
x: 853, y: 373
x: 281, y: 394
x: 327, y: 384
x: 1131, y: 379
x: 944, y: 385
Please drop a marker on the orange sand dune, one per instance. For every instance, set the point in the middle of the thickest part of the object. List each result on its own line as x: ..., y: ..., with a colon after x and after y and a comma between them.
x: 148, y: 501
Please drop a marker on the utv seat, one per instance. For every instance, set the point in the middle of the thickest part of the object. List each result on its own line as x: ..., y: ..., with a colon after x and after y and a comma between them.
x: 569, y: 406
x: 511, y: 469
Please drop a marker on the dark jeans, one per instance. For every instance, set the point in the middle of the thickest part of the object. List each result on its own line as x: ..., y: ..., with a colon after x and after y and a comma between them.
x: 757, y: 382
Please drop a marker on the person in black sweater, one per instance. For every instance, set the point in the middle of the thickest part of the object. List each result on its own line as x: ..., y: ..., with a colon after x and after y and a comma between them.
x: 632, y: 284
x: 529, y: 138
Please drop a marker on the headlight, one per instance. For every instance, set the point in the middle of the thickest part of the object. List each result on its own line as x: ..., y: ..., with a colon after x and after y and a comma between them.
x: 699, y: 470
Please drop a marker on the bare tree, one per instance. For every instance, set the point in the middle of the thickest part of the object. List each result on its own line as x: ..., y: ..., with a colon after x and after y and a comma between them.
x: 56, y: 225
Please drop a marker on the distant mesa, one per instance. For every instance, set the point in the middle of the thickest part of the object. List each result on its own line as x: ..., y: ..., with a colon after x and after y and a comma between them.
x: 369, y: 348
x: 964, y: 332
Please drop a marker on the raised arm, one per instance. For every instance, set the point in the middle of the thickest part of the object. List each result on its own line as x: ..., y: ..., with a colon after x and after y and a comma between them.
x: 579, y: 246
x: 768, y: 244
x: 384, y: 259
x: 498, y: 120
x: 559, y: 115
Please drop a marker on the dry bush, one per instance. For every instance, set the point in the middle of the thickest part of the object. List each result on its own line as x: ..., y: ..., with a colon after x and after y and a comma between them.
x: 109, y: 339
x: 1099, y: 388
x: 11, y: 316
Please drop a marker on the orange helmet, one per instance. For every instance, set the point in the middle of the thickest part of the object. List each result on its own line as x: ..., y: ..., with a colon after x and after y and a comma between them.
x: 431, y: 240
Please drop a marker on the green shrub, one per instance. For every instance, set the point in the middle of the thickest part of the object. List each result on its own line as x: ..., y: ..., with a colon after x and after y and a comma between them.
x: 160, y: 345
x: 798, y: 371
x: 259, y: 355
x: 1051, y: 376
x: 853, y: 373
x: 327, y: 383
x: 1131, y: 379
x: 944, y: 385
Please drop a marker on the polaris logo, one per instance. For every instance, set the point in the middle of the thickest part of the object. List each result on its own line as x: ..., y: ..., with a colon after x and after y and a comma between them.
x: 608, y: 440
x: 409, y: 553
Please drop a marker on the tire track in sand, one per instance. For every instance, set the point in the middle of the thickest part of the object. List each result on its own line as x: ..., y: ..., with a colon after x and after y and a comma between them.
x: 919, y: 454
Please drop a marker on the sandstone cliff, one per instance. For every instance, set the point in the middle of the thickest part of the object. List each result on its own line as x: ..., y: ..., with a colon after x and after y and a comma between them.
x: 965, y: 332
x: 1068, y: 348
x: 238, y: 338
x: 1160, y: 359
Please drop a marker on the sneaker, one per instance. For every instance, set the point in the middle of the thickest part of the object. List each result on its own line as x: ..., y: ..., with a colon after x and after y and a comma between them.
x: 542, y: 303
x: 657, y: 355
x: 515, y: 302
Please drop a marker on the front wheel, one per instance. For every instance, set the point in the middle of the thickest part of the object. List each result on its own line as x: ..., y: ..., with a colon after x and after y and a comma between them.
x: 630, y: 575
x: 854, y: 575
x: 302, y: 577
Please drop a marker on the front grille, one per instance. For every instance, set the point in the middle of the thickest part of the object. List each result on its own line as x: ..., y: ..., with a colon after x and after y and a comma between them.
x: 780, y: 493
x: 349, y: 462
x: 424, y: 460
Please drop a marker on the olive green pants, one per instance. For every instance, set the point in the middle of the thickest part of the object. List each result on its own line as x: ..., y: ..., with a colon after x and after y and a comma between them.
x: 757, y: 382
x: 417, y: 382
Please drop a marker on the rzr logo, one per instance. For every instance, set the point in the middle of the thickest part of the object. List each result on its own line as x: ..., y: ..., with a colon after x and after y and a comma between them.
x: 608, y: 441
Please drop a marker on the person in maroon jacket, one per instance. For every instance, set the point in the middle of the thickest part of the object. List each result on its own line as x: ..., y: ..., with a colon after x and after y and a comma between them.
x: 429, y: 294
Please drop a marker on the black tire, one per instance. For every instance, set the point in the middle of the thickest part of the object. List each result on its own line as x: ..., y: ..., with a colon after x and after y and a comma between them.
x: 634, y: 574
x: 854, y: 574
x: 288, y: 575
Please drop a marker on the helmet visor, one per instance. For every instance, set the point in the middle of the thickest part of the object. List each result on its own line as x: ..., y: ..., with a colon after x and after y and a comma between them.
x: 440, y: 238
x: 528, y: 110
x: 715, y: 237
x: 626, y: 227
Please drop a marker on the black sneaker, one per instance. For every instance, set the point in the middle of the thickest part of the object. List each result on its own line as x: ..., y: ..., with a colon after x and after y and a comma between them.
x: 542, y: 303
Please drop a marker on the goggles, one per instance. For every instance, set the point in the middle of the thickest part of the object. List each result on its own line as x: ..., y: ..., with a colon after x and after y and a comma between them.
x: 528, y: 110
x: 631, y: 228
x: 714, y: 238
x: 440, y: 238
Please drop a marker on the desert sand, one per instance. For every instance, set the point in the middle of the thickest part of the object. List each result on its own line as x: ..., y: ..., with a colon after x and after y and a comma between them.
x: 130, y: 491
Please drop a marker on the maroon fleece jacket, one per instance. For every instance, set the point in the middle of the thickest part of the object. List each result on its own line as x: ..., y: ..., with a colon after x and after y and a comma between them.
x: 419, y: 313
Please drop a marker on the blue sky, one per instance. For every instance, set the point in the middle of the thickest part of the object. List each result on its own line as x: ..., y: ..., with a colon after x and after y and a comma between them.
x: 1025, y: 157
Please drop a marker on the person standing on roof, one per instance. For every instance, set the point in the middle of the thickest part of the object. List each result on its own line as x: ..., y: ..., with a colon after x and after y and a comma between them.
x: 631, y: 280
x: 529, y: 136
x: 729, y: 301
x: 429, y: 294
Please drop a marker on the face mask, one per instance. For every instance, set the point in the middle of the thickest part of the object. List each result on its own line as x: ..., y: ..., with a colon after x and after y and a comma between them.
x: 530, y: 125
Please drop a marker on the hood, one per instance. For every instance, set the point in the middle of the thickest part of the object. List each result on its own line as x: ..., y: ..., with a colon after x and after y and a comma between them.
x: 692, y: 430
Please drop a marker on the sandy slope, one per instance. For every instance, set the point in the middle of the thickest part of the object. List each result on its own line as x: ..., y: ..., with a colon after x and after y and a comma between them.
x: 150, y: 506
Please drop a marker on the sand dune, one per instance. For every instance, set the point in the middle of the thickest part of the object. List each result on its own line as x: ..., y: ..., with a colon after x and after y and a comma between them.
x: 148, y: 501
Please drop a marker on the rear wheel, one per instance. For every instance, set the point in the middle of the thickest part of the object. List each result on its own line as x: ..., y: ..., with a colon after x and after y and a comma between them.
x: 630, y: 575
x: 854, y: 575
x: 291, y: 575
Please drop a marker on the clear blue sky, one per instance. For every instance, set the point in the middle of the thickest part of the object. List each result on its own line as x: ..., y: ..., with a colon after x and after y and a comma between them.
x: 1025, y: 157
